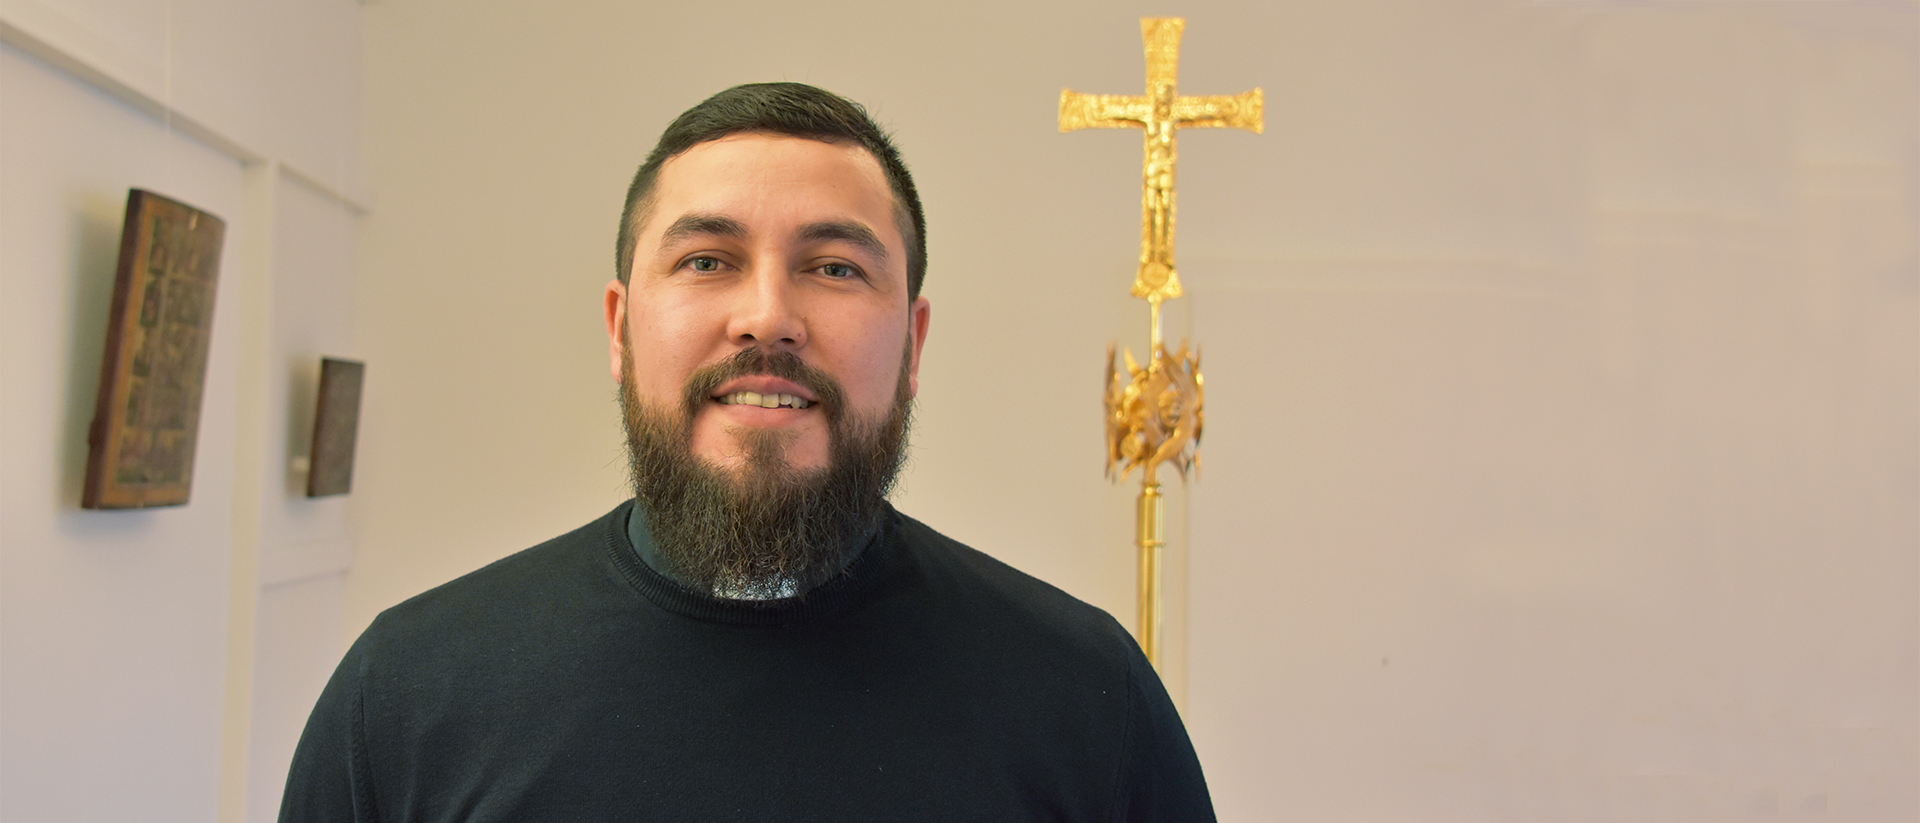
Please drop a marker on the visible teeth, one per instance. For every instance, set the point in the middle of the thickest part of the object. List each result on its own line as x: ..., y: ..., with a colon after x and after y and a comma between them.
x: 765, y: 401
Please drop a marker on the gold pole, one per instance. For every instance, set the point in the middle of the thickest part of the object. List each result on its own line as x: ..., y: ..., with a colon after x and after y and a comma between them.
x: 1151, y: 541
x: 1153, y: 338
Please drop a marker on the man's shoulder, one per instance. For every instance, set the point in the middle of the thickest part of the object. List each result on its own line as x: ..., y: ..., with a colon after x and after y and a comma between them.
x: 553, y: 571
x: 991, y: 587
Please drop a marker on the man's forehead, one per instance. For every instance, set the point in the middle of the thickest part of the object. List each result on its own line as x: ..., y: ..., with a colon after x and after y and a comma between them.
x: 722, y: 166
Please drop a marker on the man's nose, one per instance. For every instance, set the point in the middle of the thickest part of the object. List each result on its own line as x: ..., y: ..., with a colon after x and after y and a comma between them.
x: 767, y: 312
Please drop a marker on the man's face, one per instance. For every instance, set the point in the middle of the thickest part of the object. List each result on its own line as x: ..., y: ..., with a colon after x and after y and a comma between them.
x: 776, y: 243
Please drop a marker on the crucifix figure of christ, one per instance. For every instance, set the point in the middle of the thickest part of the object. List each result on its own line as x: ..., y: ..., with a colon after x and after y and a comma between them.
x: 1161, y: 111
x: 1154, y: 415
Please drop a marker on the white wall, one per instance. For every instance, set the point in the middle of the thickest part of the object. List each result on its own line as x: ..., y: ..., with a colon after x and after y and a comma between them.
x: 130, y: 684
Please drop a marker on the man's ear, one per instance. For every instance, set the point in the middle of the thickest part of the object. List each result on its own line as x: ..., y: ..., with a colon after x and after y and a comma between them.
x: 616, y: 309
x: 919, y: 315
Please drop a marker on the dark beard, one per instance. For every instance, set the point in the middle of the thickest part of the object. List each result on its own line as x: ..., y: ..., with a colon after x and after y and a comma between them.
x: 773, y: 530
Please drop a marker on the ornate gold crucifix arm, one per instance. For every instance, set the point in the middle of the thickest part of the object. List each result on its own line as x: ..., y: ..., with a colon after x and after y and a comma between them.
x: 1161, y: 111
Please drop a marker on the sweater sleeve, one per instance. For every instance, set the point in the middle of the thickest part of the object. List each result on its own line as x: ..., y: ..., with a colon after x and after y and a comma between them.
x: 329, y: 781
x: 1160, y: 778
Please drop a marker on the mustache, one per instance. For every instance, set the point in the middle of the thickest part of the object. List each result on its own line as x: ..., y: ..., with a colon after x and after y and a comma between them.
x: 785, y: 365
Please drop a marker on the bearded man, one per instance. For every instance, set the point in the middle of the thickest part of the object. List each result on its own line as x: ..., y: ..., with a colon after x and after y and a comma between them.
x: 757, y: 635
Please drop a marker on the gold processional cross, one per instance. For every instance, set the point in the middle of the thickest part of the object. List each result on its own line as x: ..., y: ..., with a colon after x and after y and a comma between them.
x: 1153, y: 416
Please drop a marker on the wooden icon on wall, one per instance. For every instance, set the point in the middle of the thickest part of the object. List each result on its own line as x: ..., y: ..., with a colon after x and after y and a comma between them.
x: 336, y: 424
x: 146, y: 418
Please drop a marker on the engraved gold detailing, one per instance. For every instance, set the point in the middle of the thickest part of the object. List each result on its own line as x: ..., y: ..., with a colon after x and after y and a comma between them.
x: 1153, y: 413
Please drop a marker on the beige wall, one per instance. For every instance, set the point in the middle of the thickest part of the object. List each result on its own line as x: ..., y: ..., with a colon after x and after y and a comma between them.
x: 1586, y: 466
x: 1561, y: 461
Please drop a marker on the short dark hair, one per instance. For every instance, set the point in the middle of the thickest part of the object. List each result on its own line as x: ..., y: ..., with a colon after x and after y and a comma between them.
x: 794, y: 109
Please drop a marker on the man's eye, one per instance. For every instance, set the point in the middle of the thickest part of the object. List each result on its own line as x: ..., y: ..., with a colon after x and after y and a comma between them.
x: 839, y: 270
x: 707, y: 264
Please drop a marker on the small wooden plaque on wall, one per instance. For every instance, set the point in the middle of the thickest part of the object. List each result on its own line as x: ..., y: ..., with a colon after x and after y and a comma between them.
x: 336, y: 425
x: 146, y: 420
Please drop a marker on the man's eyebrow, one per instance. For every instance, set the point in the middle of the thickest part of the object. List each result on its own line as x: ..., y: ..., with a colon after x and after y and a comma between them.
x: 848, y: 231
x: 697, y: 225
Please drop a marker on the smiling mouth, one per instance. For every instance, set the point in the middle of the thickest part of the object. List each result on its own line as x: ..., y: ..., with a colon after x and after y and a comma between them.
x: 765, y: 401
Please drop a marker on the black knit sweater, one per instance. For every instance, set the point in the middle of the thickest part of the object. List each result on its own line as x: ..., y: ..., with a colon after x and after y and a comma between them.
x: 572, y: 682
